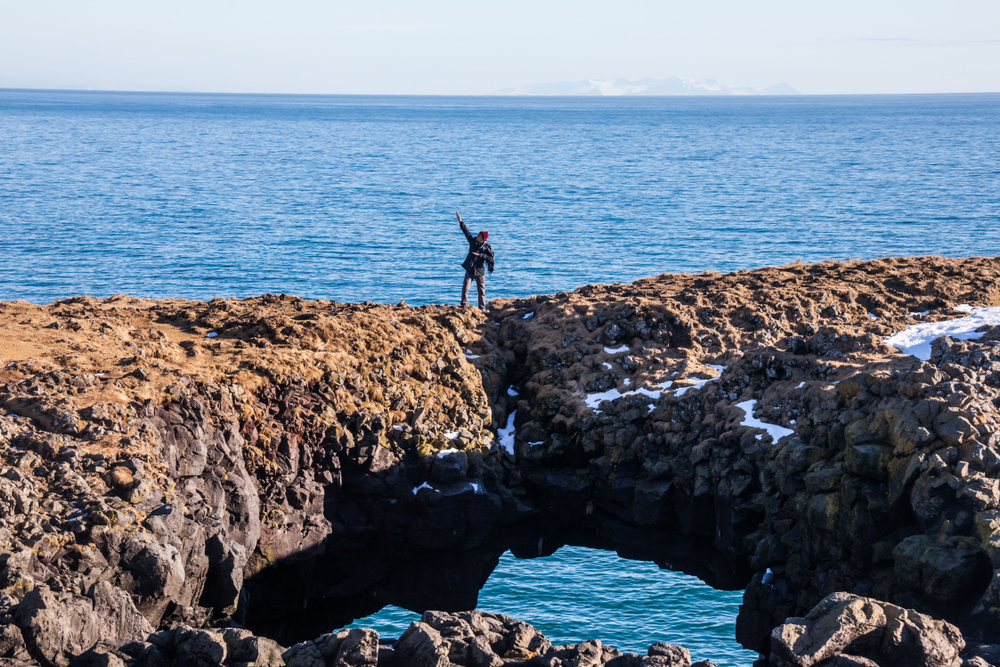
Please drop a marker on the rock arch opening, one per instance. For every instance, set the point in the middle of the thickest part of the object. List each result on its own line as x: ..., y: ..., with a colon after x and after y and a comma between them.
x: 577, y: 594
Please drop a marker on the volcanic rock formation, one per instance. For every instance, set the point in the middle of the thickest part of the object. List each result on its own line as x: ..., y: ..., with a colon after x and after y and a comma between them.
x: 207, y: 483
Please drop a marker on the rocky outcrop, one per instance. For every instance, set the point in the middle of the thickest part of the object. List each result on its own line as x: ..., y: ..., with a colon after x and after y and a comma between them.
x: 849, y: 629
x: 59, y: 626
x: 287, y: 466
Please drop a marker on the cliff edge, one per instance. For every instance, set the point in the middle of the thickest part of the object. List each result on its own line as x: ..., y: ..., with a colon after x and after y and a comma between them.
x: 262, y: 471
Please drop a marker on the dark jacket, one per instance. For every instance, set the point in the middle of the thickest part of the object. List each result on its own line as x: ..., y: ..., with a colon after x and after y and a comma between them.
x: 473, y: 264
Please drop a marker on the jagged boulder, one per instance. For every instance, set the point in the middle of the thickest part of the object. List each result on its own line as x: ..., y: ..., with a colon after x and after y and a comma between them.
x: 242, y: 647
x: 59, y: 626
x: 850, y: 629
x: 478, y: 639
x: 185, y: 646
x: 347, y: 648
x: 12, y: 646
x: 667, y: 655
x: 422, y: 646
x: 153, y: 573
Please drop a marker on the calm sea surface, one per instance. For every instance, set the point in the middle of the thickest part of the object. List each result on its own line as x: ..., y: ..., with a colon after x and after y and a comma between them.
x: 353, y: 199
x: 578, y: 594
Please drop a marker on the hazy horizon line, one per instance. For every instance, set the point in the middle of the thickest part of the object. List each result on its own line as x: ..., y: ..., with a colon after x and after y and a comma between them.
x: 603, y: 97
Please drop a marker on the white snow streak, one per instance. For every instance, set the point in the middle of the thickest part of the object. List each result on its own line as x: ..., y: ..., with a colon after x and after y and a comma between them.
x: 916, y: 340
x: 507, y: 434
x: 702, y: 383
x: 594, y: 400
x: 776, y: 432
x: 623, y: 348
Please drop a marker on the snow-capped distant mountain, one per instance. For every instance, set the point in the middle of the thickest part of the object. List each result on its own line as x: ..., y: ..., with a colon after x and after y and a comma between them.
x: 672, y: 86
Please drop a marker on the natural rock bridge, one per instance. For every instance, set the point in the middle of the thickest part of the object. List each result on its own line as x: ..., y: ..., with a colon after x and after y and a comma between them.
x: 290, y: 465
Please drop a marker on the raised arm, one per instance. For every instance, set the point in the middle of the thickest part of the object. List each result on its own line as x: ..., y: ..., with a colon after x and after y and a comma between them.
x: 465, y: 230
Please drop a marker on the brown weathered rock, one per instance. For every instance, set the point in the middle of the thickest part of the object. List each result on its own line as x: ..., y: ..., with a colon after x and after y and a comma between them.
x: 121, y: 478
x: 243, y: 647
x: 842, y: 623
x: 57, y: 626
x: 916, y: 639
x: 347, y: 648
x: 671, y: 655
x: 862, y: 631
x: 975, y: 661
x: 480, y: 654
x: 12, y: 644
x: 154, y: 574
x: 199, y: 648
x: 422, y: 646
x: 358, y: 649
x: 121, y: 623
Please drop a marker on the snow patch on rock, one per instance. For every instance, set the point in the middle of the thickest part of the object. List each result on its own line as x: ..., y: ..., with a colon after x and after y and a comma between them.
x: 507, y: 434
x: 916, y: 340
x: 593, y: 400
x: 702, y: 383
x: 776, y: 432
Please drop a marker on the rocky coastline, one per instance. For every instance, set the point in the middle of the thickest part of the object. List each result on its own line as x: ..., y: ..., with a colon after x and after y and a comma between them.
x: 228, y: 482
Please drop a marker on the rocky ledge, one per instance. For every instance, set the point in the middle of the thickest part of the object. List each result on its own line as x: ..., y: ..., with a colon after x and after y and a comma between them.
x: 209, y: 483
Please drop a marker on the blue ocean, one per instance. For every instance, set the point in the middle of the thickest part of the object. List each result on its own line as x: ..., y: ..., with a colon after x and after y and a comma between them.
x: 354, y: 199
x: 577, y: 594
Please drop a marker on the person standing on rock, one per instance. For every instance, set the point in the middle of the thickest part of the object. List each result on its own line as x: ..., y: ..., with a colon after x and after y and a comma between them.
x: 480, y: 257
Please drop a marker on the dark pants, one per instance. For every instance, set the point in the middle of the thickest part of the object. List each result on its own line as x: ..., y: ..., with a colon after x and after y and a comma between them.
x: 480, y: 287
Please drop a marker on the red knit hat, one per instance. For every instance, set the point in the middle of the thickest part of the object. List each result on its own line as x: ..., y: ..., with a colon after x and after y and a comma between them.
x: 485, y: 234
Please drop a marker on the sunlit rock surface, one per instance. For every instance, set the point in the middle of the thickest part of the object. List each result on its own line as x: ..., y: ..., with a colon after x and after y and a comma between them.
x: 232, y: 481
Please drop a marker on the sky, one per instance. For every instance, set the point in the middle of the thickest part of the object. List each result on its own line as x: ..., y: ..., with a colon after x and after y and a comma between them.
x: 452, y: 47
